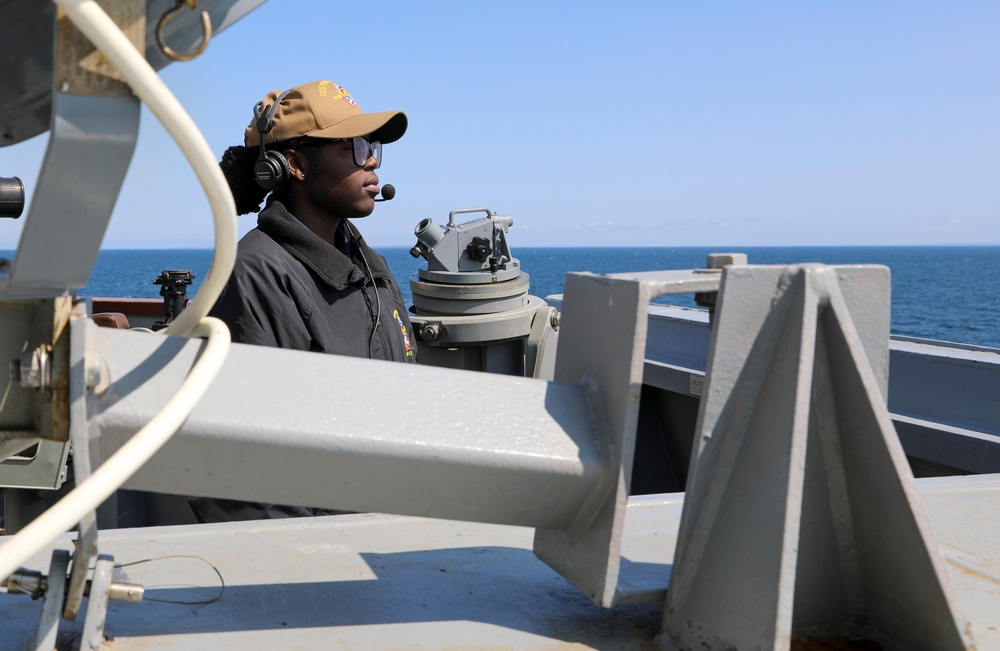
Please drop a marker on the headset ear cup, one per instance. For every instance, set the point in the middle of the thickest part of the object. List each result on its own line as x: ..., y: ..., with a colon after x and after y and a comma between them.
x: 271, y: 170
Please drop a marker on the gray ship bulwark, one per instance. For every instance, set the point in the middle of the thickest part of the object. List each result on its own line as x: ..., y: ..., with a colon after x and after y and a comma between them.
x: 501, y: 516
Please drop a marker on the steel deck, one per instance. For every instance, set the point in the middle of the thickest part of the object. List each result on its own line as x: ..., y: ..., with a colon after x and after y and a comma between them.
x: 372, y: 581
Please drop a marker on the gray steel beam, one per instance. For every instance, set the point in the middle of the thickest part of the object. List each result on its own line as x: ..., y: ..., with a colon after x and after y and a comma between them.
x: 943, y: 397
x: 966, y: 450
x: 923, y: 372
x: 290, y: 427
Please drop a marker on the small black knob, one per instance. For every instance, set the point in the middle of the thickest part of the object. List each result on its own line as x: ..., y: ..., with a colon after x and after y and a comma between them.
x: 432, y: 331
x: 479, y: 249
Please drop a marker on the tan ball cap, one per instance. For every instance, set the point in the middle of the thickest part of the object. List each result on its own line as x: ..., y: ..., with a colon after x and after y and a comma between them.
x: 322, y: 109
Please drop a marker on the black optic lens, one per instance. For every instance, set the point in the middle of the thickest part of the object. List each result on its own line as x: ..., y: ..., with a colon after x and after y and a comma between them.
x: 11, y: 197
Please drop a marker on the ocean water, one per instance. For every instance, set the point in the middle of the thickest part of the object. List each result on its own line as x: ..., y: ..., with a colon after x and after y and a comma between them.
x: 950, y: 293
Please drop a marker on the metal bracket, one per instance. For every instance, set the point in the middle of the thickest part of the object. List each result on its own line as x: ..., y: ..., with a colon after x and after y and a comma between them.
x: 97, y: 604
x: 543, y: 339
x: 48, y: 622
x: 86, y: 543
x: 604, y: 325
x: 800, y: 517
x: 95, y: 123
x: 34, y: 408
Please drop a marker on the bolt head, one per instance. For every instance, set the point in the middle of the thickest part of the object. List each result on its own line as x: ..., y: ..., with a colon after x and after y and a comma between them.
x: 720, y: 260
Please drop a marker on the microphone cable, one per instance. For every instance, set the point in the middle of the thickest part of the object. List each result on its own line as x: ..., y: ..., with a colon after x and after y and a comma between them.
x: 378, y: 299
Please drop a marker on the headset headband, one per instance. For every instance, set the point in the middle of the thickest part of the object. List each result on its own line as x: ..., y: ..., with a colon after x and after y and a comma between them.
x: 265, y: 119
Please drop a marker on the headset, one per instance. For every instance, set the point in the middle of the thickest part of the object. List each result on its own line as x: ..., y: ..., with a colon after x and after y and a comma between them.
x: 271, y: 170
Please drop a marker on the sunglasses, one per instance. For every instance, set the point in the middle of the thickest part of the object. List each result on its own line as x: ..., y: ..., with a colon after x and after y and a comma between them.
x: 363, y: 149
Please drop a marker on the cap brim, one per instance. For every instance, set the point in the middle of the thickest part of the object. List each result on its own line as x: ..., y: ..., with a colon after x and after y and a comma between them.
x: 387, y: 126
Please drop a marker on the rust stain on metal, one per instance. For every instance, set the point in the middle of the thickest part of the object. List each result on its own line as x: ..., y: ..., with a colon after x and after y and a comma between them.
x: 80, y: 68
x: 968, y: 571
x: 62, y: 310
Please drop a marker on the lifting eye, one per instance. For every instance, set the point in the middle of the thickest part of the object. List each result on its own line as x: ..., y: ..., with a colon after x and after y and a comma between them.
x: 206, y: 29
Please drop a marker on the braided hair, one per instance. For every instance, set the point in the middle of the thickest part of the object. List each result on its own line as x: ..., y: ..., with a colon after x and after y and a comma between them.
x: 237, y: 165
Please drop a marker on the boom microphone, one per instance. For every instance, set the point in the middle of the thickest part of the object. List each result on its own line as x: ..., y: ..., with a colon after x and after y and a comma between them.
x: 388, y: 192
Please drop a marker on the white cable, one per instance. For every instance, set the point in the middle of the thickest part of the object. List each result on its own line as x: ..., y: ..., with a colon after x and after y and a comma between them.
x: 88, y: 16
x: 90, y: 493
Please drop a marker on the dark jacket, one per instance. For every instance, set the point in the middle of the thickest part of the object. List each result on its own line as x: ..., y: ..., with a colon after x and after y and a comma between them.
x: 292, y: 289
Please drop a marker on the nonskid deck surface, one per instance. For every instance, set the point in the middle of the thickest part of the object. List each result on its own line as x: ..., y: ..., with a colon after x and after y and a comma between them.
x: 373, y: 581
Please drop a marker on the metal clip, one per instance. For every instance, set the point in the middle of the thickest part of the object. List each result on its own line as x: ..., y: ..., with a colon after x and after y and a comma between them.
x: 206, y: 28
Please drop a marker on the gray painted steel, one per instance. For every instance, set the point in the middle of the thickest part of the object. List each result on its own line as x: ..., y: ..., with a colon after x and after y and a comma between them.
x: 29, y: 327
x: 389, y: 582
x: 48, y: 621
x: 353, y: 434
x: 943, y: 397
x: 97, y: 604
x: 802, y: 519
x: 922, y: 372
x: 777, y: 538
x: 88, y: 154
x: 82, y: 381
x: 601, y: 344
x: 26, y: 88
x: 337, y: 445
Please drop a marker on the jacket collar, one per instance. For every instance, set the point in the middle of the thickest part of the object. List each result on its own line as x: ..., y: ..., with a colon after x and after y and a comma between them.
x: 322, y: 257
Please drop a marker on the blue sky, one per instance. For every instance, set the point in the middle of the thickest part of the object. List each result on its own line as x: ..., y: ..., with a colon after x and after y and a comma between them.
x: 625, y: 124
